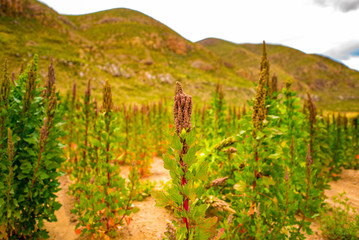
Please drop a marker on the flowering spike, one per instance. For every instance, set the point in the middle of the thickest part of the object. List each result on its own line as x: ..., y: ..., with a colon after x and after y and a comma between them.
x: 5, y: 86
x: 182, y: 110
x: 308, y: 158
x: 50, y: 113
x: 10, y: 145
x: 312, y: 109
x: 95, y: 107
x: 74, y: 92
x: 288, y: 83
x: 274, y: 85
x: 259, y: 109
x: 88, y: 93
x: 107, y: 97
x: 30, y: 86
x: 51, y: 78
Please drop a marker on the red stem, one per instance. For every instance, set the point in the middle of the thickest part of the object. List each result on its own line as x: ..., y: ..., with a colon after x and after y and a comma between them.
x: 184, y: 182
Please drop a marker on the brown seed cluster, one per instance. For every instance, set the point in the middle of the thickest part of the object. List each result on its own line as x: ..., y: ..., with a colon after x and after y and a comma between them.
x: 225, y: 143
x: 220, y: 95
x: 312, y: 109
x: 274, y: 85
x: 339, y: 121
x: 107, y: 97
x: 259, y: 109
x: 308, y: 158
x: 51, y: 78
x: 73, y: 93
x: 44, y: 133
x: 288, y: 83
x: 345, y: 122
x: 52, y: 105
x: 30, y: 87
x: 182, y: 110
x: 95, y: 107
x: 5, y: 87
x: 10, y: 145
x: 88, y: 93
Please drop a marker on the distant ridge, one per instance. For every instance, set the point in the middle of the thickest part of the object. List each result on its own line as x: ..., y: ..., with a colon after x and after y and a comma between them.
x: 143, y: 58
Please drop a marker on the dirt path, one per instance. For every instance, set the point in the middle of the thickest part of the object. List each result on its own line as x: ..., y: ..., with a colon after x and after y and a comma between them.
x: 349, y: 183
x: 64, y: 228
x: 150, y: 222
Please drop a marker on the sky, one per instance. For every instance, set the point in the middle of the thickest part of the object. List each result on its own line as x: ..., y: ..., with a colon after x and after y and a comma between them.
x: 328, y: 27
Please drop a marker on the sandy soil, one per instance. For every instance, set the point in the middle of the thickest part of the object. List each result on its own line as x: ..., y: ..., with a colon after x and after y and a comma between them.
x: 64, y: 228
x: 150, y: 222
x: 348, y: 183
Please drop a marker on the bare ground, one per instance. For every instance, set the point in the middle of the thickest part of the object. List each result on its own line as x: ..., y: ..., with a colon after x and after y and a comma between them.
x: 348, y: 183
x: 150, y: 222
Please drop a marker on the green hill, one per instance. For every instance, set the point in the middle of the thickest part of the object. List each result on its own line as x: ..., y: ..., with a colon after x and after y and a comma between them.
x: 142, y: 58
x: 333, y: 85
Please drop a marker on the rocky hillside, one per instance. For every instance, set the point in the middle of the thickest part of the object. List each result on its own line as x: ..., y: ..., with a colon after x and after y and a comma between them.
x: 142, y: 58
x: 333, y: 85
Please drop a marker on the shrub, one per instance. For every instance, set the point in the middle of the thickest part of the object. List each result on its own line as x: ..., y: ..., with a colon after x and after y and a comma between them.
x: 187, y: 175
x: 31, y: 155
x: 341, y: 221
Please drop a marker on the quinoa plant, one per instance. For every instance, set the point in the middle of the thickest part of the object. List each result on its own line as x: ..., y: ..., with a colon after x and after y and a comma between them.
x: 31, y: 155
x: 187, y: 175
x: 104, y: 198
x: 266, y: 174
x: 340, y: 221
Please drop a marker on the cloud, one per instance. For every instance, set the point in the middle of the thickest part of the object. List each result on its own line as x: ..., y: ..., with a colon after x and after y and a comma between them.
x: 342, y: 5
x: 345, y: 51
x: 352, y: 63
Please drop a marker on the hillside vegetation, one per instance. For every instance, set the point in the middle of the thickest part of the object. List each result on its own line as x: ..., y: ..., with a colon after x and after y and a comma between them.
x: 143, y: 58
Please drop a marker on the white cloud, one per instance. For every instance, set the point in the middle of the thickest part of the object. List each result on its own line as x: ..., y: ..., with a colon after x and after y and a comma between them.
x: 342, y: 5
x: 344, y: 51
x: 352, y: 62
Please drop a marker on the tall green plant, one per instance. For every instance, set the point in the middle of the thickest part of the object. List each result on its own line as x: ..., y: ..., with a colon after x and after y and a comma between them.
x: 187, y: 175
x: 33, y: 157
x: 104, y: 198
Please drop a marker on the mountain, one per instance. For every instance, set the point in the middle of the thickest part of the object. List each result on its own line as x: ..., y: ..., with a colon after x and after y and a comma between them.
x: 333, y: 85
x: 142, y: 58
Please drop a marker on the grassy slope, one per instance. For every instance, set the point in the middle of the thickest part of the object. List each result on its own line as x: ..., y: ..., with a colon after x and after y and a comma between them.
x: 128, y: 38
x: 131, y: 50
x: 335, y: 86
x: 136, y: 53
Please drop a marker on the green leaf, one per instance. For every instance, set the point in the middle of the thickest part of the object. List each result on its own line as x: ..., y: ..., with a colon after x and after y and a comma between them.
x: 240, y: 186
x: 161, y: 198
x: 208, y: 223
x: 190, y: 157
x: 26, y: 167
x: 200, y: 191
x: 177, y: 143
x: 32, y: 139
x: 135, y: 210
x: 202, y: 171
x: 44, y: 175
x: 170, y: 164
x: 268, y: 181
x: 275, y: 156
x: 175, y: 195
x: 200, y: 211
x: 191, y: 137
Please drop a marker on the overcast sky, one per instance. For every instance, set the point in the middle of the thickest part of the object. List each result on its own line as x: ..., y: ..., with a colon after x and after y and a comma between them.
x: 328, y: 27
